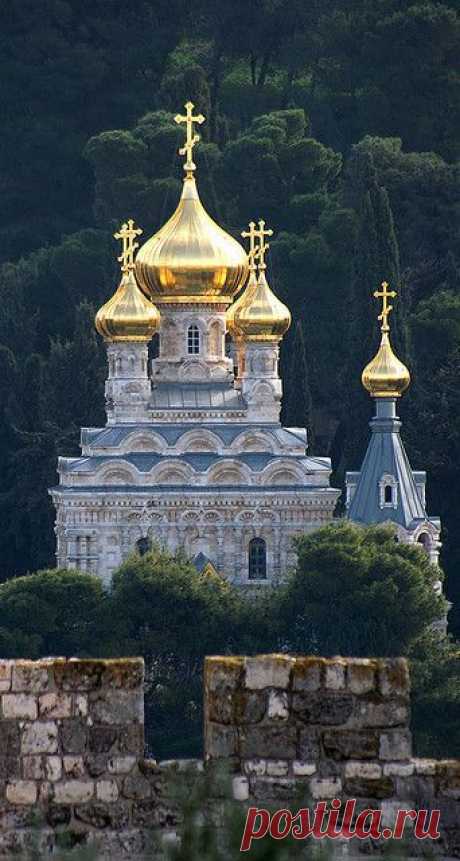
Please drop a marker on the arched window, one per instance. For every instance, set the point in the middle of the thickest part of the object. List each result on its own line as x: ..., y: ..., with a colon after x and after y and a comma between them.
x: 143, y: 546
x: 388, y: 494
x: 193, y: 340
x: 388, y: 487
x: 257, y: 559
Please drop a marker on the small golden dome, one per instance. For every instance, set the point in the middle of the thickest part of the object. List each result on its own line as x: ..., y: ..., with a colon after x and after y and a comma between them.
x: 261, y: 316
x: 230, y: 315
x: 385, y: 376
x: 191, y: 259
x: 128, y: 315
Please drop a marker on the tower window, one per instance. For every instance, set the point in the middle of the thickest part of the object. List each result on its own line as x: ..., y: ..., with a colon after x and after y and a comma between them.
x: 193, y: 340
x: 257, y: 559
x: 388, y: 488
x: 388, y: 494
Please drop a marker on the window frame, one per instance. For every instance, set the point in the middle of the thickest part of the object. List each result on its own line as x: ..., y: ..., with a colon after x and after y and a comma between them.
x: 193, y: 340
x: 257, y: 559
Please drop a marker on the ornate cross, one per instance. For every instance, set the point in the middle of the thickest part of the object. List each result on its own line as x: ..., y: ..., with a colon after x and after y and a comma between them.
x: 251, y: 234
x: 127, y: 234
x: 260, y: 234
x: 385, y: 294
x: 192, y: 138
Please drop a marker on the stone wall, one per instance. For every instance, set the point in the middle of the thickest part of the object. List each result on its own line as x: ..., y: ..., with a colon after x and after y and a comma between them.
x: 72, y: 745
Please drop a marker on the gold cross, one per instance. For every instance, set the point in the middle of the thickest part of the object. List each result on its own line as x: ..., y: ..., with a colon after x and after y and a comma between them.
x: 127, y: 234
x: 385, y: 294
x: 192, y: 138
x: 251, y: 234
x: 263, y: 246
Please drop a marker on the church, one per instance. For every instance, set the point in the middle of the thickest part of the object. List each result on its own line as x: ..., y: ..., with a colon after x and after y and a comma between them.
x: 193, y: 454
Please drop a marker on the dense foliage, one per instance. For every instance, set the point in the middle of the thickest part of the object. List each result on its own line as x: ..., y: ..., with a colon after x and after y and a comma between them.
x: 354, y: 591
x: 337, y: 121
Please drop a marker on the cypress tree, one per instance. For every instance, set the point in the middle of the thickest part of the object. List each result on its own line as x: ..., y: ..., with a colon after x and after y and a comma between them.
x: 298, y: 401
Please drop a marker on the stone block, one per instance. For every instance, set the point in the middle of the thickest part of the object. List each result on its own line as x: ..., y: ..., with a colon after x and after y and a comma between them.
x: 121, y: 764
x: 362, y: 675
x: 268, y: 741
x: 5, y: 676
x: 9, y: 738
x: 351, y: 744
x: 21, y: 792
x: 74, y: 766
x: 55, y: 705
x: 394, y: 679
x: 30, y: 677
x: 372, y: 711
x: 79, y: 675
x: 335, y: 675
x: 362, y: 787
x: 248, y: 706
x: 116, y: 706
x: 425, y: 766
x: 448, y: 776
x: 274, y: 789
x: 268, y: 671
x: 309, y: 744
x: 80, y: 705
x: 325, y: 787
x: 102, y: 739
x: 223, y: 674
x: 363, y: 769
x: 57, y: 815
x: 53, y: 768
x: 303, y: 769
x: 329, y: 708
x: 136, y: 786
x: 278, y: 705
x: 39, y: 737
x: 74, y: 791
x: 395, y: 744
x: 125, y: 673
x: 240, y: 788
x: 220, y: 741
x: 131, y: 739
x: 398, y: 769
x: 33, y: 768
x: 20, y: 706
x: 107, y: 818
x: 74, y: 736
x: 96, y: 764
x: 107, y: 790
x: 277, y: 767
x: 307, y: 672
x: 254, y: 766
x: 10, y: 766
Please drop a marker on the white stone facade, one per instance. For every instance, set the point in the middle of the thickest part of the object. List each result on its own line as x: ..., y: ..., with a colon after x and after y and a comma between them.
x: 191, y: 459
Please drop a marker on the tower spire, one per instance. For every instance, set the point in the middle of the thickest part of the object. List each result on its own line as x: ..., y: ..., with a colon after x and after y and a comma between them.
x: 192, y: 138
x: 385, y: 376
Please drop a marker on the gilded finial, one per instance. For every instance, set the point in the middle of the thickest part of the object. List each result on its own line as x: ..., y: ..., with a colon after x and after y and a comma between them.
x: 192, y: 138
x: 263, y: 247
x: 253, y: 252
x: 127, y: 234
x: 385, y: 294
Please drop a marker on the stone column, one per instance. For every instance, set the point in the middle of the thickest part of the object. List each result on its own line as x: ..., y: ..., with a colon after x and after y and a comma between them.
x: 260, y: 381
x: 128, y: 388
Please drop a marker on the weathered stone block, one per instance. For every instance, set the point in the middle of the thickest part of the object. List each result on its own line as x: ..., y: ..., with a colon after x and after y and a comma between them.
x: 240, y: 788
x: 268, y: 671
x: 116, y: 706
x: 382, y: 787
x: 80, y: 705
x: 268, y: 741
x: 306, y: 674
x: 372, y: 711
x: 33, y: 768
x: 106, y: 817
x: 20, y: 706
x: 5, y: 676
x: 277, y: 767
x: 254, y: 766
x: 9, y: 737
x: 399, y: 769
x: 103, y: 739
x: 395, y: 744
x: 363, y: 769
x: 30, y: 677
x: 79, y: 675
x: 249, y: 706
x: 278, y: 705
x: 121, y: 764
x: 55, y: 705
x: 273, y: 789
x: 448, y: 775
x: 73, y: 791
x: 58, y: 815
x: 74, y: 736
x: 53, y: 768
x: 125, y: 673
x: 223, y: 674
x: 309, y: 744
x: 74, y: 766
x: 351, y: 744
x: 96, y: 764
x: 425, y: 766
x: 362, y: 675
x: 10, y: 766
x: 303, y: 769
x: 21, y: 792
x: 107, y: 790
x: 323, y: 708
x: 39, y: 737
x: 394, y: 679
x: 136, y: 786
x: 335, y: 675
x: 220, y: 741
x: 131, y: 739
x: 325, y: 787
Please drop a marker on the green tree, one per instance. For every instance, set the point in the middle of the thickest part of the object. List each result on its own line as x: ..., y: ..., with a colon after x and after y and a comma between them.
x: 357, y: 591
x: 297, y: 402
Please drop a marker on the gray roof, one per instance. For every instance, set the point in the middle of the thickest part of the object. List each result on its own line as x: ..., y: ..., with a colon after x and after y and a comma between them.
x: 386, y: 455
x: 199, y: 461
x: 113, y: 436
x: 199, y: 396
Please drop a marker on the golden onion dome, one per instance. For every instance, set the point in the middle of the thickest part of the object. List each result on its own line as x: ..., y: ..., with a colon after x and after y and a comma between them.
x: 385, y: 376
x: 237, y: 304
x: 128, y: 315
x: 261, y: 316
x: 191, y: 259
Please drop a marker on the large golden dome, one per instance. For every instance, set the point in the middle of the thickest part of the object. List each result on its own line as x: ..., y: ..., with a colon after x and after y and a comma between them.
x: 128, y: 315
x: 191, y: 259
x: 385, y: 376
x: 261, y: 316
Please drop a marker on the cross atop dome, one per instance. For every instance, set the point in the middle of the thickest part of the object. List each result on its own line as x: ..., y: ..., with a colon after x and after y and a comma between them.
x: 127, y: 234
x: 192, y: 138
x: 385, y: 294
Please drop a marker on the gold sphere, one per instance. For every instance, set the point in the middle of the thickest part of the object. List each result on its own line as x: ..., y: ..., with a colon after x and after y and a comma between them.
x: 385, y: 376
x: 128, y: 315
x: 261, y: 316
x: 191, y: 259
